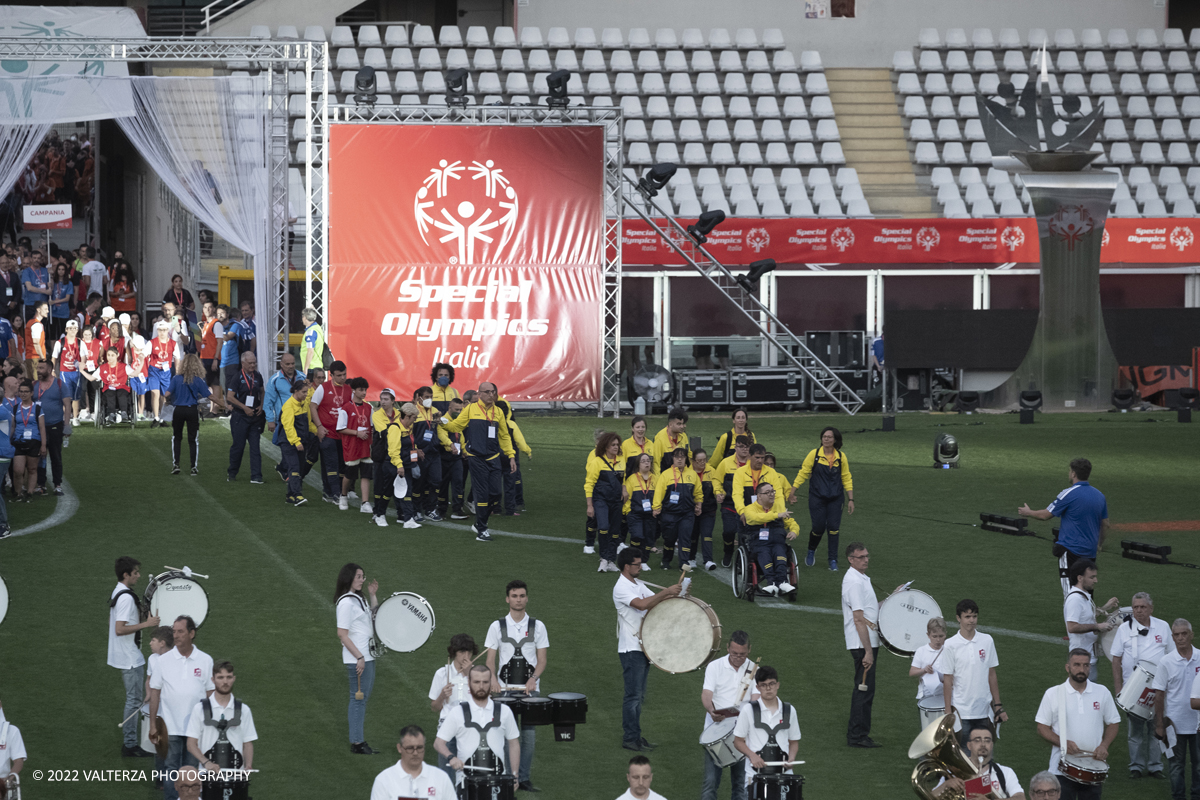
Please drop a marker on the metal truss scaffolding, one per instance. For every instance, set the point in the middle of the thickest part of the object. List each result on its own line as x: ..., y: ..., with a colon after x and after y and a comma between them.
x: 273, y: 60
x: 609, y: 118
x: 792, y: 347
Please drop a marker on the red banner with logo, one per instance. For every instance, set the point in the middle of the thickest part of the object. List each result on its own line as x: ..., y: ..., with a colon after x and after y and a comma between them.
x: 477, y: 246
x: 910, y: 241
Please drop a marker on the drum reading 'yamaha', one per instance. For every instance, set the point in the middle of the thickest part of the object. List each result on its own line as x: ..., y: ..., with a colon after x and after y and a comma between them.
x: 402, y: 623
x: 172, y: 595
x: 903, y: 618
x: 680, y: 634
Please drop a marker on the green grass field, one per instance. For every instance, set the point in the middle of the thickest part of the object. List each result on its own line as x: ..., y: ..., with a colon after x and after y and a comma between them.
x: 273, y: 570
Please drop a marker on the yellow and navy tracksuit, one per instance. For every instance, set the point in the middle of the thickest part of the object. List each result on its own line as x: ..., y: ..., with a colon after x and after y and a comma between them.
x: 730, y: 524
x: 426, y: 477
x: 514, y: 490
x: 724, y: 448
x: 486, y: 433
x: 603, y: 487
x: 639, y: 509
x: 665, y: 446
x: 298, y: 446
x: 828, y: 481
x: 632, y: 452
x: 708, y: 514
x: 745, y: 484
x: 442, y: 398
x: 590, y: 527
x: 450, y: 492
x: 392, y: 453
x: 768, y: 539
x: 676, y: 496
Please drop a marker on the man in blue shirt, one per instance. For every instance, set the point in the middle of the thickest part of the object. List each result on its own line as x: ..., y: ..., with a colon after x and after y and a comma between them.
x: 8, y: 340
x: 1084, y: 514
x: 278, y: 392
x: 55, y: 395
x: 35, y: 280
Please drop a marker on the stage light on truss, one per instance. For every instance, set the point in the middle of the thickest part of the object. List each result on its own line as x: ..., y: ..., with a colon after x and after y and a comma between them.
x: 704, y: 226
x: 364, y: 87
x: 557, y: 83
x: 456, y: 88
x: 749, y: 281
x: 654, y: 179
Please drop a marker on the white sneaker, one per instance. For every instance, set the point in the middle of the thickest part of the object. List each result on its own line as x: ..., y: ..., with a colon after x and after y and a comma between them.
x: 352, y: 496
x: 411, y: 523
x: 621, y: 547
x: 710, y: 565
x: 474, y: 530
x: 603, y: 566
x: 771, y: 590
x: 692, y: 563
x: 470, y: 506
x: 587, y: 548
x: 343, y: 503
x: 380, y: 521
x: 786, y: 588
x: 612, y: 567
x: 366, y: 509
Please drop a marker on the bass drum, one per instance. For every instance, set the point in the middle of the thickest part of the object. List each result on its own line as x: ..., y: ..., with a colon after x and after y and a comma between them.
x: 172, y: 595
x: 680, y: 634
x: 902, y: 620
x: 3, y: 598
x: 1108, y: 637
x: 404, y: 622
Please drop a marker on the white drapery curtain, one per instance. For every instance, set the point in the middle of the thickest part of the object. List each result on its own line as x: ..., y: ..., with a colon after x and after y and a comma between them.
x: 28, y: 107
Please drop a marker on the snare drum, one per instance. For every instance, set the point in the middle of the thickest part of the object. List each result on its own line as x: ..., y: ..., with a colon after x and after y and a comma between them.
x: 487, y: 786
x: 777, y: 787
x: 172, y: 595
x: 403, y: 623
x: 570, y: 709
x: 513, y: 702
x: 536, y: 710
x: 1083, y: 769
x: 147, y: 745
x: 1137, y: 695
x: 1109, y: 636
x: 680, y: 634
x: 3, y: 598
x: 902, y: 620
x: 717, y: 739
x: 931, y: 708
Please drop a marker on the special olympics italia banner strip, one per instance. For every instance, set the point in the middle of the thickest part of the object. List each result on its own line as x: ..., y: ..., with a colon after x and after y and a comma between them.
x: 911, y: 241
x: 478, y: 246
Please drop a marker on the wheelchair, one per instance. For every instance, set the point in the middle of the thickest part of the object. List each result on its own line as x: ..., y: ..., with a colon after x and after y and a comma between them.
x: 746, y: 572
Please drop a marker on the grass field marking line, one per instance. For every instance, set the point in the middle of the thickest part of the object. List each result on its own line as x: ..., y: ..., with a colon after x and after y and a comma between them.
x: 64, y: 509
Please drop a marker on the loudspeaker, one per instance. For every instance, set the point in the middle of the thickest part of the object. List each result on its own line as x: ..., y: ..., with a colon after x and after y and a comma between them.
x: 1026, y: 416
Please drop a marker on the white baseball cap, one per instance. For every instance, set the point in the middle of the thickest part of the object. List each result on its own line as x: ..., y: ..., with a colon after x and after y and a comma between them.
x: 123, y: 319
x: 162, y: 325
x: 139, y: 342
x: 389, y: 391
x: 107, y: 312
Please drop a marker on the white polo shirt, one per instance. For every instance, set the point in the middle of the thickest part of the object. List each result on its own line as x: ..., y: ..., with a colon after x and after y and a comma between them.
x: 629, y: 619
x: 461, y: 692
x: 12, y: 746
x: 1132, y: 646
x: 467, y: 739
x: 1012, y: 785
x: 724, y: 681
x: 183, y: 683
x: 969, y: 661
x: 930, y: 684
x: 756, y: 738
x: 122, y: 652
x: 653, y: 795
x: 396, y: 784
x: 858, y: 595
x: 206, y: 735
x: 354, y: 614
x: 1088, y: 712
x: 1176, y: 676
x: 1078, y: 608
x: 516, y: 632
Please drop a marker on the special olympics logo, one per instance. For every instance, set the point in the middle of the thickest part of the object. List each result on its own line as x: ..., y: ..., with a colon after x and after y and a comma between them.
x: 1071, y: 223
x: 757, y: 239
x: 1104, y: 239
x: 1012, y: 237
x: 841, y: 238
x: 459, y: 209
x: 1181, y: 237
x: 928, y: 238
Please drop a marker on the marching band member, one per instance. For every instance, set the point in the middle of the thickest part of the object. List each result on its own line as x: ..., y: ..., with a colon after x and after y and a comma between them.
x: 221, y: 724
x: 354, y: 628
x: 671, y: 438
x: 1143, y: 637
x: 1004, y: 781
x: 124, y: 647
x: 728, y: 687
x: 771, y: 527
x: 1173, y: 684
x: 969, y: 668
x: 730, y: 524
x: 637, y: 445
x: 678, y: 498
x: 706, y: 518
x: 1080, y: 612
x: 639, y: 503
x: 486, y: 440
x: 182, y: 678
x: 605, y: 496
x: 1091, y: 722
x: 12, y: 749
x: 411, y: 776
x: 480, y: 726
x: 925, y: 666
x: 640, y: 776
x: 828, y: 472
x: 767, y: 729
x: 633, y: 599
x: 187, y: 783
x: 741, y: 427
x: 860, y: 617
x: 1045, y: 785
x: 451, y: 685
x: 521, y: 643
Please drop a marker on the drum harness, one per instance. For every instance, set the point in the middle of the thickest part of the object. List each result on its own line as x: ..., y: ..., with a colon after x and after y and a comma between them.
x: 223, y: 752
x: 373, y: 647
x: 517, y: 670
x: 771, y: 751
x: 12, y: 784
x: 1095, y: 611
x: 137, y: 635
x: 483, y: 755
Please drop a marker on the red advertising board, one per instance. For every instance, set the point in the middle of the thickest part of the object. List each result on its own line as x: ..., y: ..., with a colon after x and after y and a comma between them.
x: 911, y: 241
x: 478, y: 246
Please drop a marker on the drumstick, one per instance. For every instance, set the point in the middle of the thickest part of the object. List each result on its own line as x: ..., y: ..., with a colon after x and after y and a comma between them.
x: 476, y: 658
x: 862, y: 687
x: 186, y: 571
x: 781, y: 763
x: 131, y: 716
x: 359, y: 694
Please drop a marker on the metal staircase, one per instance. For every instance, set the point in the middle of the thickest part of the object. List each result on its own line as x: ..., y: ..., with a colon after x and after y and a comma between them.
x: 789, y: 344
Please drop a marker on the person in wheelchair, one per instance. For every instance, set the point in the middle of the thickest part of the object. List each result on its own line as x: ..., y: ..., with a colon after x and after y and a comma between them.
x: 769, y: 527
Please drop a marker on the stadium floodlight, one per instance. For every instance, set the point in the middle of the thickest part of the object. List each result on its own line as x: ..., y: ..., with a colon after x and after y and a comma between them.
x: 1123, y: 399
x: 557, y: 83
x: 655, y: 178
x: 945, y: 451
x: 364, y: 87
x: 749, y: 281
x: 704, y: 226
x: 456, y: 88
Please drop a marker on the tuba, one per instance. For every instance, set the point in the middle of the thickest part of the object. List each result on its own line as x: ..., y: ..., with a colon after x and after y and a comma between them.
x: 941, y: 757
